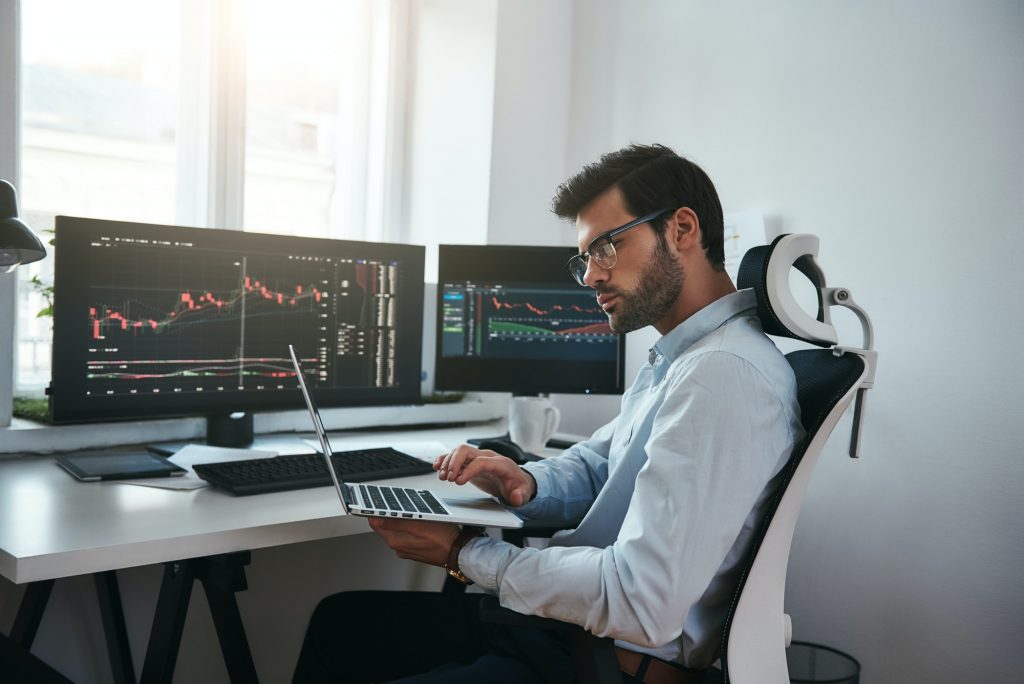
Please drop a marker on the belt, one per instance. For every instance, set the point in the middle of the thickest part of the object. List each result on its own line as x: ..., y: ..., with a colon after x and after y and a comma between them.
x: 651, y: 670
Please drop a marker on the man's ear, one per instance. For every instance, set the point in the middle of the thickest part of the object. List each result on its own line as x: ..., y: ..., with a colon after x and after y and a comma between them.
x: 683, y: 229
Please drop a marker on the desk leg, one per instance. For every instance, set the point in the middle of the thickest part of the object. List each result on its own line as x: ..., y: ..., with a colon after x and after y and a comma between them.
x: 169, y: 621
x: 114, y: 628
x: 222, y: 576
x: 30, y: 613
x: 17, y: 664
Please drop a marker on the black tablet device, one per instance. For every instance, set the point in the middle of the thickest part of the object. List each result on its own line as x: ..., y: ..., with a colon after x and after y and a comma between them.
x: 90, y: 466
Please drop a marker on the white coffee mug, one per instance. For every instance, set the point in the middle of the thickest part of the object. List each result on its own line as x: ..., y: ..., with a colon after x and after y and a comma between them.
x: 531, y: 422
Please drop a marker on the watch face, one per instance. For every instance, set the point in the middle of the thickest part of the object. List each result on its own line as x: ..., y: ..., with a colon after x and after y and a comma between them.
x: 457, y: 574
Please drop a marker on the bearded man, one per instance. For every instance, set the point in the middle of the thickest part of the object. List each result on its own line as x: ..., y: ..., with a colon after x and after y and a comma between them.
x: 666, y: 495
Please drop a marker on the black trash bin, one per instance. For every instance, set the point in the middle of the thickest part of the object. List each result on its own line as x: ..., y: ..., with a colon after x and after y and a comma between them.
x: 814, y: 663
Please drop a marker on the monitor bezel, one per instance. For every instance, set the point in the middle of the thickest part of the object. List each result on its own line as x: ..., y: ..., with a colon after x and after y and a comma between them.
x: 512, y: 264
x: 71, y: 405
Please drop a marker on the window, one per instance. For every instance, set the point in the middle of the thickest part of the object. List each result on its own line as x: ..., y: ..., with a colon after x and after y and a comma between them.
x: 199, y: 112
x: 303, y: 134
x: 98, y: 132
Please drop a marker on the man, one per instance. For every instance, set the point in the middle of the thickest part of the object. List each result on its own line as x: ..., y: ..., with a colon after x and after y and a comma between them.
x: 669, y: 492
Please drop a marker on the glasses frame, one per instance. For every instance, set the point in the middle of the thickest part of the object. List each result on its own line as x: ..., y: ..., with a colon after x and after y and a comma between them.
x: 584, y: 257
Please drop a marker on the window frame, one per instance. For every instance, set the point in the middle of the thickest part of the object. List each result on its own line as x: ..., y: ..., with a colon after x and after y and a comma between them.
x: 10, y: 112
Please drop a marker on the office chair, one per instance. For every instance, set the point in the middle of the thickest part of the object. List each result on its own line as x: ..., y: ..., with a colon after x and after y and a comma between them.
x: 757, y: 632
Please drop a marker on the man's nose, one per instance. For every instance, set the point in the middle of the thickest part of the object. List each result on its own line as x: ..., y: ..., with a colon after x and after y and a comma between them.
x: 594, y: 274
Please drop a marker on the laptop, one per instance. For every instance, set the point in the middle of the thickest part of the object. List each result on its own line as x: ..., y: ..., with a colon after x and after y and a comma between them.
x: 382, y: 501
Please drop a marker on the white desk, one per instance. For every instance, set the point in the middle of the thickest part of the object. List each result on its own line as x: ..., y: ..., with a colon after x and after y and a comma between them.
x: 52, y: 526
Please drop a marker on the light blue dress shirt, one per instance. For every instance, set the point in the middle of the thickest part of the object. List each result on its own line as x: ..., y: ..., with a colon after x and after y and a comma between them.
x: 670, y: 493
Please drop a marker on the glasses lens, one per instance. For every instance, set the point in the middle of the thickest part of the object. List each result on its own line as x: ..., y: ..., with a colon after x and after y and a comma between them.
x: 603, y: 253
x: 578, y: 268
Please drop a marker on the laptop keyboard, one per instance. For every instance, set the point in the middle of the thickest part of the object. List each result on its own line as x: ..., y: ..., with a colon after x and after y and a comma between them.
x: 400, y: 500
x: 282, y: 473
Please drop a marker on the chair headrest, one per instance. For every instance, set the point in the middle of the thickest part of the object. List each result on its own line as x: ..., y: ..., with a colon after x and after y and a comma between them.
x: 766, y: 270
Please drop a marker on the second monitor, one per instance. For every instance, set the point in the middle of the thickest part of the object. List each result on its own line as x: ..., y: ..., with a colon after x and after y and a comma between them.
x: 512, y: 319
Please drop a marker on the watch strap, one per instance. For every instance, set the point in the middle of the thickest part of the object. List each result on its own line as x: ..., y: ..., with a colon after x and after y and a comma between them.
x: 451, y: 564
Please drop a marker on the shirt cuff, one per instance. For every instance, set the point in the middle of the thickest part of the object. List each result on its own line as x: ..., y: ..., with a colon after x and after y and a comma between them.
x: 536, y: 506
x: 482, y: 558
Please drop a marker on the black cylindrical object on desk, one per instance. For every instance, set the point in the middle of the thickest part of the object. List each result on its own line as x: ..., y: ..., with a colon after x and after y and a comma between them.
x: 230, y: 430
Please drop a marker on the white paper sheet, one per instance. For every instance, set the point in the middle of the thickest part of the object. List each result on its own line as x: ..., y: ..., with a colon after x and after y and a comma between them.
x: 189, y: 456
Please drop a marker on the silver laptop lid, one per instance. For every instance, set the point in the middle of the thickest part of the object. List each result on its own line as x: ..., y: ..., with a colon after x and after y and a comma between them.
x: 318, y: 425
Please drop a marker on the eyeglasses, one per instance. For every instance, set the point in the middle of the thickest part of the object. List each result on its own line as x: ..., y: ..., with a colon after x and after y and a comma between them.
x: 602, y: 248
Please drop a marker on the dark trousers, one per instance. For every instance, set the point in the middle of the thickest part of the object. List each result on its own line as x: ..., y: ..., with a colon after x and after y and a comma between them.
x: 424, y: 638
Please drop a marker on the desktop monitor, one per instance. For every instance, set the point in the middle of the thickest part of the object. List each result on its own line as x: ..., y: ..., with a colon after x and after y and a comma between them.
x: 512, y: 319
x: 153, y: 321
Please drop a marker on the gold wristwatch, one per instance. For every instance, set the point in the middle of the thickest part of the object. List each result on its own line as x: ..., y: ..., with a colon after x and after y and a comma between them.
x: 451, y: 565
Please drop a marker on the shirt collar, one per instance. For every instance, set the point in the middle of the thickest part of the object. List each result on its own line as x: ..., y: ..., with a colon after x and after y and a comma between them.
x: 703, y: 323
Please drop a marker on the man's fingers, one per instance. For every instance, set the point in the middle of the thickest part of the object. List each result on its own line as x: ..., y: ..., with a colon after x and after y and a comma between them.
x: 487, y: 464
x: 455, y: 461
x: 440, y: 462
x: 471, y: 470
x: 441, y: 465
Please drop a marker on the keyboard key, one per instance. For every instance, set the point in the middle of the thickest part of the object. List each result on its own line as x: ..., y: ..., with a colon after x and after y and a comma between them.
x: 403, y: 499
x: 434, y: 505
x: 417, y: 501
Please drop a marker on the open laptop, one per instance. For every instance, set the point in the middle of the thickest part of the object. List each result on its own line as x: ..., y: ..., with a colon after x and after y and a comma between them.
x: 382, y: 501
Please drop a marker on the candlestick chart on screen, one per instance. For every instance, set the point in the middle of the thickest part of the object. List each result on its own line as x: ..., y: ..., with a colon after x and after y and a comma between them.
x: 178, y: 319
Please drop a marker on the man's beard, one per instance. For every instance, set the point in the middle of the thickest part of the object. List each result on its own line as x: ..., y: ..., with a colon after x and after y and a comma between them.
x: 658, y: 288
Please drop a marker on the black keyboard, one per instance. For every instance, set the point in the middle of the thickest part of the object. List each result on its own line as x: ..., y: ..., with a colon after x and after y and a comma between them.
x: 281, y: 473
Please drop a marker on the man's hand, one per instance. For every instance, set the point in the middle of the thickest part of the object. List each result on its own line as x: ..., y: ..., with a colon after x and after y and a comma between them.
x: 426, y: 542
x: 497, y: 475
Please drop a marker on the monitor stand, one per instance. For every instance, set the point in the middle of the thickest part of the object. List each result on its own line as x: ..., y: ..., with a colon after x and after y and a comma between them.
x: 230, y: 430
x: 222, y: 430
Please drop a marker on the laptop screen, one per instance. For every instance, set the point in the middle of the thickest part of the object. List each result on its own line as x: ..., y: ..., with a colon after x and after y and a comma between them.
x: 318, y: 424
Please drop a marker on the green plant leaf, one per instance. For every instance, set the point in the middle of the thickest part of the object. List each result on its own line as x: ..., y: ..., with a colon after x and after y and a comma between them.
x: 31, y: 408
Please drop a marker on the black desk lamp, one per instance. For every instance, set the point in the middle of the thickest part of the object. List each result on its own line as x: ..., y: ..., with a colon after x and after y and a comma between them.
x: 18, y: 244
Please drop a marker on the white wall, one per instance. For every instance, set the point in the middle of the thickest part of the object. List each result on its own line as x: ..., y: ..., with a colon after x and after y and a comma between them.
x: 893, y: 131
x: 450, y: 114
x: 531, y: 122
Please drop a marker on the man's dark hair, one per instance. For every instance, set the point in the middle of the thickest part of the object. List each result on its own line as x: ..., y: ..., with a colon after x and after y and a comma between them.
x: 650, y: 177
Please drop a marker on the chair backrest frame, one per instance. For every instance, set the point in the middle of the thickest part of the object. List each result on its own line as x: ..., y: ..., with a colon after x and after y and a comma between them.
x: 756, y: 630
x: 756, y: 626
